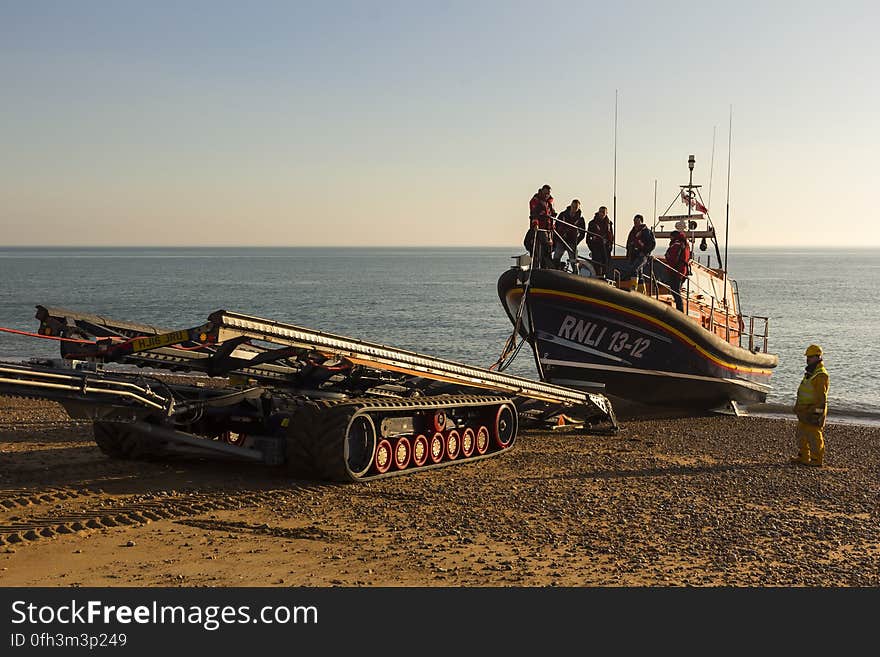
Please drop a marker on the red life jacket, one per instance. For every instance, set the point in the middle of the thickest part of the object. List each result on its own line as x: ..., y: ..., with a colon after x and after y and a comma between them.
x: 541, y: 212
x: 678, y: 255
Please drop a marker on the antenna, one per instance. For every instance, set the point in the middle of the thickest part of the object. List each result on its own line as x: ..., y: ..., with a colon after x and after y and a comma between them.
x: 727, y: 210
x: 655, y: 201
x: 711, y: 169
x: 614, y: 183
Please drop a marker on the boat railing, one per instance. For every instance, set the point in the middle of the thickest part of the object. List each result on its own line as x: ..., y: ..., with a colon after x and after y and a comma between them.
x: 656, y: 282
x: 732, y: 325
x: 757, y: 334
x: 755, y: 338
x: 734, y: 286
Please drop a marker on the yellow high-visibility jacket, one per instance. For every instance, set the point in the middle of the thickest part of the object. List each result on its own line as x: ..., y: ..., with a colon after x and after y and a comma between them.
x: 812, y: 396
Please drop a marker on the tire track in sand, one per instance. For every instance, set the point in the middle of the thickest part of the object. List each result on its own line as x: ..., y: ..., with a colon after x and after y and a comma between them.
x: 133, y: 510
x: 13, y: 498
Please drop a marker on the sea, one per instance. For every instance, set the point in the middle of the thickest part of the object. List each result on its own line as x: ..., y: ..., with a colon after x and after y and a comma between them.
x: 437, y: 301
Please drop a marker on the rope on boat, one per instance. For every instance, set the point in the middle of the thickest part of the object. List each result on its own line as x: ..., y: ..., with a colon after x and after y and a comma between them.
x: 511, y: 348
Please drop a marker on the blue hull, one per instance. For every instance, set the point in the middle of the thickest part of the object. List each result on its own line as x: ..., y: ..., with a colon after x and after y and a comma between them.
x: 587, y: 332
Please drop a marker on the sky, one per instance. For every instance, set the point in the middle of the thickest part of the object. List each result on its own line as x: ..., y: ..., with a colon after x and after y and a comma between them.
x: 432, y: 123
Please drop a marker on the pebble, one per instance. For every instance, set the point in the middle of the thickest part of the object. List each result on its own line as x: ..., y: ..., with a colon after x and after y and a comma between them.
x: 707, y: 501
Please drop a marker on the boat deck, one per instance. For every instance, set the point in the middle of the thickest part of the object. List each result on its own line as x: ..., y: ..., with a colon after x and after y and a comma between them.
x: 709, y: 300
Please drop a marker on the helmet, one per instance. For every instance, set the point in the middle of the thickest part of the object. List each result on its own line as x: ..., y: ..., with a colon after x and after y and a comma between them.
x: 813, y: 350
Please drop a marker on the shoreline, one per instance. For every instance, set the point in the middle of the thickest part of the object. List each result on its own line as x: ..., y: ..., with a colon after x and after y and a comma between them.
x: 771, y: 409
x: 709, y: 501
x: 835, y: 415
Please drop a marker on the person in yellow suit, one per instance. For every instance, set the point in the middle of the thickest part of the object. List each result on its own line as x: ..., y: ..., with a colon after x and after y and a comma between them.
x: 811, y: 409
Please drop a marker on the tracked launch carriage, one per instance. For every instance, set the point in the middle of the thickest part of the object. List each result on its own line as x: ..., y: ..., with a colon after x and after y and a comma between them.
x: 322, y: 405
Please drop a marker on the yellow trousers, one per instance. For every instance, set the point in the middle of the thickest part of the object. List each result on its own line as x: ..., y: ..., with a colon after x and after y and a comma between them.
x: 811, y: 443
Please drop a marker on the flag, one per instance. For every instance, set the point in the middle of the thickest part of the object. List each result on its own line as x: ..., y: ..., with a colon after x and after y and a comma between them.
x: 693, y: 203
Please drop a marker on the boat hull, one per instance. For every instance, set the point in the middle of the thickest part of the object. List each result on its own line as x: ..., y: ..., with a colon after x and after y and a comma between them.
x: 585, y: 331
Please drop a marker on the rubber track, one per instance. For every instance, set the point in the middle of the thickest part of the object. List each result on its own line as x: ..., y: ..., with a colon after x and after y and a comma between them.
x: 119, y: 440
x: 315, y: 442
x: 316, y: 434
x: 298, y: 459
x: 110, y: 438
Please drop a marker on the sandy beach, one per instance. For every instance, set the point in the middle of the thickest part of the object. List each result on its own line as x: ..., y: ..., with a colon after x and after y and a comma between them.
x: 710, y: 501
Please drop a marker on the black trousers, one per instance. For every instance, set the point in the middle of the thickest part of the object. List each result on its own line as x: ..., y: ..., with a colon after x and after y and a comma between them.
x: 637, y: 265
x: 541, y: 256
x: 601, y: 257
x: 675, y: 286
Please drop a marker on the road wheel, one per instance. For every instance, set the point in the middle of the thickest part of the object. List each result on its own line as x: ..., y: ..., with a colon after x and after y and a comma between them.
x: 468, y: 442
x: 439, y: 420
x: 453, y: 444
x: 421, y: 450
x: 482, y: 440
x: 505, y: 426
x: 437, y: 447
x: 402, y: 452
x: 384, y: 456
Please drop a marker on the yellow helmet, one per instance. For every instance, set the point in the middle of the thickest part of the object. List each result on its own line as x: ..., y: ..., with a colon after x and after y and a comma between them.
x: 813, y: 350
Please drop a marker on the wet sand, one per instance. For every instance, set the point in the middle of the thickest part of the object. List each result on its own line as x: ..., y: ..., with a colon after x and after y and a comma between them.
x: 709, y: 501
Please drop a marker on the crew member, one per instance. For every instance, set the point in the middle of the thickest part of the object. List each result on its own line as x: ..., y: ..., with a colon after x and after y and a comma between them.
x: 541, y: 216
x: 600, y: 240
x: 570, y: 230
x: 639, y: 245
x: 811, y: 409
x: 678, y: 255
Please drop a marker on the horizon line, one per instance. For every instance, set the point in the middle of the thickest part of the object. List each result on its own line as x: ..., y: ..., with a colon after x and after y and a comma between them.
x: 376, y: 246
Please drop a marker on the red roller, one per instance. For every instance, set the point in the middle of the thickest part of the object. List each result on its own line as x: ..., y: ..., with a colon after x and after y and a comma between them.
x: 402, y: 452
x: 453, y: 444
x: 439, y: 420
x: 437, y: 447
x: 384, y: 456
x: 468, y: 442
x: 234, y: 438
x: 420, y: 450
x: 482, y: 440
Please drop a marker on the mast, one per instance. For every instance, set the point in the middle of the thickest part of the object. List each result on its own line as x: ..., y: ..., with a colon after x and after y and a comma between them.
x: 727, y: 210
x: 711, y: 169
x: 691, y: 162
x: 655, y: 202
x: 614, y: 183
